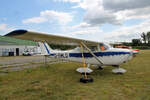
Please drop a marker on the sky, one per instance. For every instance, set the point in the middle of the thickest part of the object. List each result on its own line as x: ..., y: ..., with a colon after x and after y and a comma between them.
x: 96, y: 20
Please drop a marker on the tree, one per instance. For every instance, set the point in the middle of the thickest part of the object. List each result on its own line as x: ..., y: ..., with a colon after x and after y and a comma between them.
x: 148, y: 37
x: 144, y: 37
x: 136, y: 42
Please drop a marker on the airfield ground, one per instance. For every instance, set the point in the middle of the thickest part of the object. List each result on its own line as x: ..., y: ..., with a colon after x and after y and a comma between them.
x: 61, y: 82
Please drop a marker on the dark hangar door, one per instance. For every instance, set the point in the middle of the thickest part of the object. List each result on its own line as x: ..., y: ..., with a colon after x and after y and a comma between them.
x: 17, y: 51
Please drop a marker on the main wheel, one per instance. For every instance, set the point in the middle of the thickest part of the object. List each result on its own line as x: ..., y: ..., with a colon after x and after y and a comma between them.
x: 86, y: 80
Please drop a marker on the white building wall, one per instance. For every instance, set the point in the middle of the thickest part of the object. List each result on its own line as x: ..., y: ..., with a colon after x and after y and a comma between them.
x: 5, y: 49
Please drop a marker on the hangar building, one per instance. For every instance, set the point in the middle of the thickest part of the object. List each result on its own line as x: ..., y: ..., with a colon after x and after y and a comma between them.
x: 16, y: 47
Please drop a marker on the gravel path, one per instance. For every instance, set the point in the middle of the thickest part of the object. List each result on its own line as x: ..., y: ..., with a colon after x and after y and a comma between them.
x: 22, y: 59
x: 24, y: 62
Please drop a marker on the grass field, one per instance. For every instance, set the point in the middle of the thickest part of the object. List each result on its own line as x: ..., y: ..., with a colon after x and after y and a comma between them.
x: 61, y: 82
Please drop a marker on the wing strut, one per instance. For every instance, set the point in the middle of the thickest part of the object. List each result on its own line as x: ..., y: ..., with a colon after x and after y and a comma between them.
x: 86, y: 79
x: 92, y: 53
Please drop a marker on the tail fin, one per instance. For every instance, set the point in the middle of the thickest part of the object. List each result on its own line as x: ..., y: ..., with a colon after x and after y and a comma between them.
x: 45, y: 48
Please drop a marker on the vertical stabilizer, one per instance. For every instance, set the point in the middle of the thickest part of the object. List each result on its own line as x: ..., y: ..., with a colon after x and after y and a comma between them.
x: 45, y: 48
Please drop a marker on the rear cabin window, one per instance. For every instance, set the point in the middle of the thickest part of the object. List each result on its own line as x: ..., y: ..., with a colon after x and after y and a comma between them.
x: 93, y: 48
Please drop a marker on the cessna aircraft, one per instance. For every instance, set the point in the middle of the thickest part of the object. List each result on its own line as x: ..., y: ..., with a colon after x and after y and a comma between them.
x: 87, y: 52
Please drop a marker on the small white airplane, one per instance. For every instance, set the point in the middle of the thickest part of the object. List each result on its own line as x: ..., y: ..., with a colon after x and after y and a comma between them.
x: 87, y: 52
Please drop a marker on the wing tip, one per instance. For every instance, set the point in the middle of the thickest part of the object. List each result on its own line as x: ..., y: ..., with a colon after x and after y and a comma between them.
x: 16, y: 32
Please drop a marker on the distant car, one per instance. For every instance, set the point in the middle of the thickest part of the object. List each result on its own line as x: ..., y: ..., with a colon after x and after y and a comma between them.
x: 27, y: 53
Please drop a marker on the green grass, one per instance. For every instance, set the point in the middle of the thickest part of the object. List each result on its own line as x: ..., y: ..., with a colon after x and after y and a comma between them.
x: 61, y: 82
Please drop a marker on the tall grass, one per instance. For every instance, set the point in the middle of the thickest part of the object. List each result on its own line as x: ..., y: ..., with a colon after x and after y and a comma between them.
x: 61, y: 82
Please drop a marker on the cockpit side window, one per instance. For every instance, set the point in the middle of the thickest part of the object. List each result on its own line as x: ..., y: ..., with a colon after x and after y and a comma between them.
x: 104, y: 47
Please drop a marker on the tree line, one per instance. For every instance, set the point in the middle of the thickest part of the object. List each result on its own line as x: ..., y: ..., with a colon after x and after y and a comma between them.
x: 146, y: 37
x: 143, y: 41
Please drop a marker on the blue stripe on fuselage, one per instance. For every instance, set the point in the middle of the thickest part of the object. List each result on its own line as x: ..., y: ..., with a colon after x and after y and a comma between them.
x: 97, y: 54
x: 52, y: 54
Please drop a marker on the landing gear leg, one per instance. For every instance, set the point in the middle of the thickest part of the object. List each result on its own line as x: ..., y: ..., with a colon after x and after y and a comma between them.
x: 119, y: 70
x: 45, y: 60
x: 85, y: 78
x: 85, y: 73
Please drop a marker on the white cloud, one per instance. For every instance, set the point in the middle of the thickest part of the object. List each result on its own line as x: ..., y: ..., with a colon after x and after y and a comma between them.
x: 100, y: 16
x: 140, y: 13
x: 88, y: 4
x: 34, y: 20
x: 118, y: 5
x: 4, y: 28
x: 88, y: 31
x: 128, y: 33
x: 81, y: 25
x: 124, y: 33
x: 96, y: 14
x: 99, y: 12
x: 50, y: 16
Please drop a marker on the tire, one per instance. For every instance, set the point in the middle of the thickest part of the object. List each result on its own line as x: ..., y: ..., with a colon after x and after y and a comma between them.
x: 86, y: 80
x: 90, y: 79
x: 81, y: 79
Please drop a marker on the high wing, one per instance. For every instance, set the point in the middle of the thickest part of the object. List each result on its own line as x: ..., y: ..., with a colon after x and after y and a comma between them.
x: 51, y: 39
